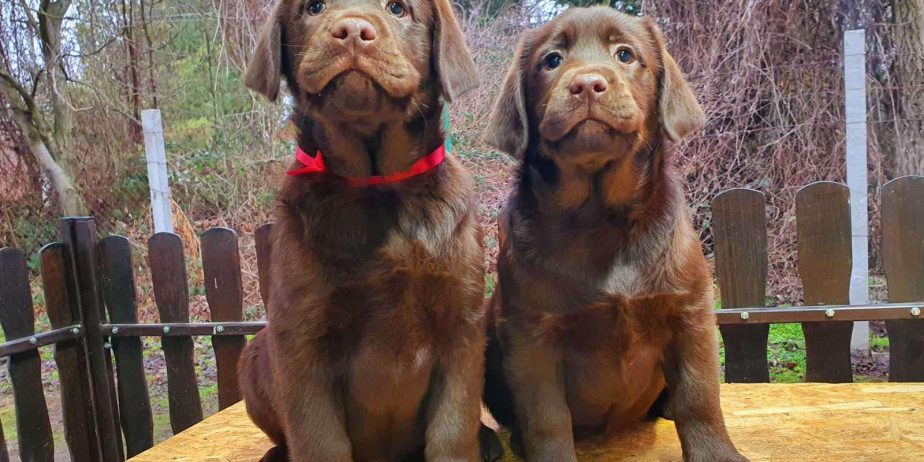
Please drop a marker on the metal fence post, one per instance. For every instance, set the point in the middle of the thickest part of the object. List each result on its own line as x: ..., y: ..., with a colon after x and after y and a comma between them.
x: 855, y: 109
x: 157, y: 170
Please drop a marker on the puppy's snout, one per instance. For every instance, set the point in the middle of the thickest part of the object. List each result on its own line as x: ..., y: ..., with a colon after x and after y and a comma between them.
x: 588, y: 85
x: 354, y: 33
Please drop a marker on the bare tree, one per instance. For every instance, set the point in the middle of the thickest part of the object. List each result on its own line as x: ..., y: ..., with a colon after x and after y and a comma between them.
x: 46, y: 127
x: 907, y: 88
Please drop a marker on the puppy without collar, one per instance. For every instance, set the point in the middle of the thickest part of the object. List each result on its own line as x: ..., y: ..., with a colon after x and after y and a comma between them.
x: 603, y: 309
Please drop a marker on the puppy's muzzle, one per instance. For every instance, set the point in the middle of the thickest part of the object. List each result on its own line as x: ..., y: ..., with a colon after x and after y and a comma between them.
x: 353, y: 34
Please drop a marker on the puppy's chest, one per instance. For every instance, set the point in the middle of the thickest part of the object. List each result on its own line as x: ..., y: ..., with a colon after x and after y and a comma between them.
x: 408, y: 297
x: 613, y: 326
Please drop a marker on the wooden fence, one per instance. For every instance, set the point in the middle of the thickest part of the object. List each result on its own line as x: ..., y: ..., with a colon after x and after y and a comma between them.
x: 90, y: 299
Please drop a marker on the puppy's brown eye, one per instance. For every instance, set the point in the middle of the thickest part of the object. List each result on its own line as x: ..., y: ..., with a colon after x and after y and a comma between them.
x: 315, y: 8
x: 553, y: 60
x: 396, y: 9
x: 624, y: 55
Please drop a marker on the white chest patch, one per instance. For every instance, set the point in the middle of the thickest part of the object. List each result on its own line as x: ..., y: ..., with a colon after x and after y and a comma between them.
x: 624, y: 280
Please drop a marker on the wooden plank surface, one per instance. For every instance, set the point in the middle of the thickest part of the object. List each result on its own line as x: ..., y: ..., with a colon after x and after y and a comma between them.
x: 18, y: 320
x: 767, y: 422
x: 739, y: 225
x: 903, y: 258
x: 823, y: 223
x: 118, y: 287
x: 221, y: 266
x: 171, y: 294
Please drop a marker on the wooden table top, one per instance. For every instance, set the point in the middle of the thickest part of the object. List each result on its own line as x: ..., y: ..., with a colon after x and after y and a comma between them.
x: 767, y: 422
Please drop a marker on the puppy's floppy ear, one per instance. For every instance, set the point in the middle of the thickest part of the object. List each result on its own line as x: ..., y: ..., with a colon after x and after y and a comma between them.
x: 681, y: 114
x: 453, y: 60
x: 264, y: 70
x: 508, y: 127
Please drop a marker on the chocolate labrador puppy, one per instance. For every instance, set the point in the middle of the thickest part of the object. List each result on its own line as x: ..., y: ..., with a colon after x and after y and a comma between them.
x: 604, y: 301
x: 374, y: 349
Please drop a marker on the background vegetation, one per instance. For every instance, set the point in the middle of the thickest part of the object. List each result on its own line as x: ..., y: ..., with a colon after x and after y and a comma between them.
x: 75, y: 74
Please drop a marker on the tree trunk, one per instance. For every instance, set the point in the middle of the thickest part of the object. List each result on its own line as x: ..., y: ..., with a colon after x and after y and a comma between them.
x: 51, y: 16
x: 48, y: 140
x: 907, y: 89
x: 152, y: 85
x: 68, y: 197
x: 134, y: 89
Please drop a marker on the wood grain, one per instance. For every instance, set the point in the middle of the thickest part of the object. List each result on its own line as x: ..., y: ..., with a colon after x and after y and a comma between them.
x: 79, y: 236
x: 739, y: 224
x: 118, y: 288
x: 823, y: 225
x: 171, y: 293
x: 767, y: 422
x: 903, y: 258
x: 221, y: 265
x: 69, y: 357
x: 18, y: 321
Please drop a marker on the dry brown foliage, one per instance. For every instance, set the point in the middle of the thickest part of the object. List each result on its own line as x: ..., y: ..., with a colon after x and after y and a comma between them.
x: 768, y: 72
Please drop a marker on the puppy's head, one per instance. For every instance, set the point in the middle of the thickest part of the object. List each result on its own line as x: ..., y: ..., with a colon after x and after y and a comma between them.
x: 354, y: 59
x: 592, y: 85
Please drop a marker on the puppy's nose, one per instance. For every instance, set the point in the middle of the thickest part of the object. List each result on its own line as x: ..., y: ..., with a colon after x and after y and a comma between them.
x: 587, y: 85
x: 353, y: 33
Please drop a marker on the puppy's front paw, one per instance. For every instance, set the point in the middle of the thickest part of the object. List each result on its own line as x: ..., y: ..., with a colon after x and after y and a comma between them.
x: 492, y: 449
x: 276, y: 454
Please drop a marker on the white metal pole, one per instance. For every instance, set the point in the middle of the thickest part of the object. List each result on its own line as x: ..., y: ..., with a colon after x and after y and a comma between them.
x: 855, y: 108
x: 157, y: 170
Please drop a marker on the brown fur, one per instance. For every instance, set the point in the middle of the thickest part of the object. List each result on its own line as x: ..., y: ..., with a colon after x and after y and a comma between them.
x: 374, y: 349
x: 604, y: 300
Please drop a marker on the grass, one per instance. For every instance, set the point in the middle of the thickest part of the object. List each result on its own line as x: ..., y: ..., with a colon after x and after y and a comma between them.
x: 879, y: 344
x: 785, y: 353
x: 8, y: 420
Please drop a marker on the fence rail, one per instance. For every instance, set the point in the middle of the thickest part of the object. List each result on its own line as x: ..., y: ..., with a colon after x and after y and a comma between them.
x: 90, y: 296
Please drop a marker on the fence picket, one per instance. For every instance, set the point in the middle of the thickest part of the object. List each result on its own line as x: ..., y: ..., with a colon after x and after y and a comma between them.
x: 823, y: 225
x: 739, y: 224
x: 18, y: 321
x: 118, y: 289
x: 903, y: 257
x: 221, y: 266
x: 79, y: 236
x: 4, y: 453
x: 171, y: 294
x: 74, y: 400
x: 264, y: 245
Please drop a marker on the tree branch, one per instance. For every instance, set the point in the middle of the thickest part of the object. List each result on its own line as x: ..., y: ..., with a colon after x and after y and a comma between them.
x: 33, y: 23
x: 11, y: 85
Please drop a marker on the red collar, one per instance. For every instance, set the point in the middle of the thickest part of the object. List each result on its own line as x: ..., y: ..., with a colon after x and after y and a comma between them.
x: 316, y: 165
